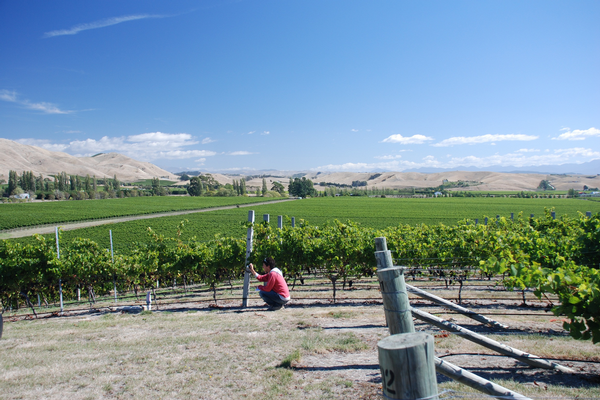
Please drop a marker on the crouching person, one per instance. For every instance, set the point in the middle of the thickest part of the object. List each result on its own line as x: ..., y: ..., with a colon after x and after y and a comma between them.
x: 275, y: 292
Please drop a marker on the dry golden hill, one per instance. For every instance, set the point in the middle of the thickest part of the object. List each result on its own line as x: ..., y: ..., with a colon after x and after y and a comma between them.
x: 481, y: 180
x: 20, y: 157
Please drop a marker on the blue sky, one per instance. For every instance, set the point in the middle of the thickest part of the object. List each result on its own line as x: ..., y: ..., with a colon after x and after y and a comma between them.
x: 305, y: 85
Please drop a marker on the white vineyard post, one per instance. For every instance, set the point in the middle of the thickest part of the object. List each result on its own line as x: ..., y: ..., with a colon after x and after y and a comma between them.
x: 112, y: 257
x: 59, y: 279
x: 248, y: 252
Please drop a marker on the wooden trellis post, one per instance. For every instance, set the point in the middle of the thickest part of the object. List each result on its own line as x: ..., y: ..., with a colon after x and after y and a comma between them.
x: 416, y: 356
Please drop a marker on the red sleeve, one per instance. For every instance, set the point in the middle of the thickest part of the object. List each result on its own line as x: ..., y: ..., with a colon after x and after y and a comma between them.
x: 270, y: 282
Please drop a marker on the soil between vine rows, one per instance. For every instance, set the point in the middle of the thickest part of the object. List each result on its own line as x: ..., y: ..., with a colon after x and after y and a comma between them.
x: 193, y: 349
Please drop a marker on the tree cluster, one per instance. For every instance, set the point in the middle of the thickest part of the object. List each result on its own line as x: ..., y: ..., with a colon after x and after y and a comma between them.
x: 301, y: 187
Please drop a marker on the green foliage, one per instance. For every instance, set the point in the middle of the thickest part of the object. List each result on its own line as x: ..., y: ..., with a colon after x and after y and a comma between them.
x: 195, y: 187
x: 546, y: 185
x: 545, y: 254
x: 301, y: 187
x: 278, y: 187
x: 31, y: 214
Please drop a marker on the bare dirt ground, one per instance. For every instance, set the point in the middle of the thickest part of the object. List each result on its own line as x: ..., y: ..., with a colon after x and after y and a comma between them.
x: 313, y: 349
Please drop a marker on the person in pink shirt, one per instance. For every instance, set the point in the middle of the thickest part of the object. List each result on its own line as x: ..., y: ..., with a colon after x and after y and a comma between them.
x: 275, y: 291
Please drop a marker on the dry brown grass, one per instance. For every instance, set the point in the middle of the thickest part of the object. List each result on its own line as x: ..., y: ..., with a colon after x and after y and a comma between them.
x: 311, y: 350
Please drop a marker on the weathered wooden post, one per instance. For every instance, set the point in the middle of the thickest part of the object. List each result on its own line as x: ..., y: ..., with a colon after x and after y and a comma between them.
x: 407, y: 367
x: 405, y: 358
x: 280, y: 221
x: 293, y: 222
x: 248, y: 252
x: 266, y: 218
x: 149, y: 301
x: 393, y: 290
x: 1, y: 325
x: 588, y: 214
x: 512, y: 216
x: 553, y: 213
x: 409, y: 361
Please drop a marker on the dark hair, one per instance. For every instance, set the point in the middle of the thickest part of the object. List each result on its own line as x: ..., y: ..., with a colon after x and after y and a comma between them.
x: 270, y: 262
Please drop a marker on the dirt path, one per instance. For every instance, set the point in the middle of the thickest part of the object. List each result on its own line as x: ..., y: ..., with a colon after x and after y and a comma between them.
x: 45, y: 229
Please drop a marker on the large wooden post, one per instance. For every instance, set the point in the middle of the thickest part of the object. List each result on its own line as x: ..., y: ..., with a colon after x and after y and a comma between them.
x: 393, y: 291
x: 280, y: 221
x: 1, y: 325
x: 395, y: 300
x: 407, y: 367
x: 248, y: 252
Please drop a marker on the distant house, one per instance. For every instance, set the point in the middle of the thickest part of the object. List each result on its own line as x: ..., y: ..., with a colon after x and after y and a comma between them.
x: 436, y: 194
x: 22, y: 196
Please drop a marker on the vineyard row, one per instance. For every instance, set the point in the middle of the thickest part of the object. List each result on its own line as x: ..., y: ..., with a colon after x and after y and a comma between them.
x: 548, y: 255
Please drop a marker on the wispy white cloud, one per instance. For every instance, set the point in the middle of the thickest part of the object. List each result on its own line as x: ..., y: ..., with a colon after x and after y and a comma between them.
x: 578, y: 134
x: 145, y: 146
x: 528, y: 151
x: 389, y: 157
x: 207, y: 140
x: 47, y: 108
x: 265, y: 133
x: 354, y: 130
x: 201, y: 161
x: 517, y: 159
x: 8, y: 96
x: 239, y: 153
x: 43, y: 143
x: 458, y: 140
x: 415, y: 139
x: 182, y: 154
x: 251, y: 132
x: 99, y: 24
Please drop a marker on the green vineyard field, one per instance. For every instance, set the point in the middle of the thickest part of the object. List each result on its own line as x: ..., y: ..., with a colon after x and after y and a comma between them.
x: 369, y: 212
x: 41, y: 213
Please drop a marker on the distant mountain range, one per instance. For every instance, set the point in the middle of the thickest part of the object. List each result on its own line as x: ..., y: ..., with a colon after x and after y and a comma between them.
x: 20, y: 157
x: 587, y: 168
